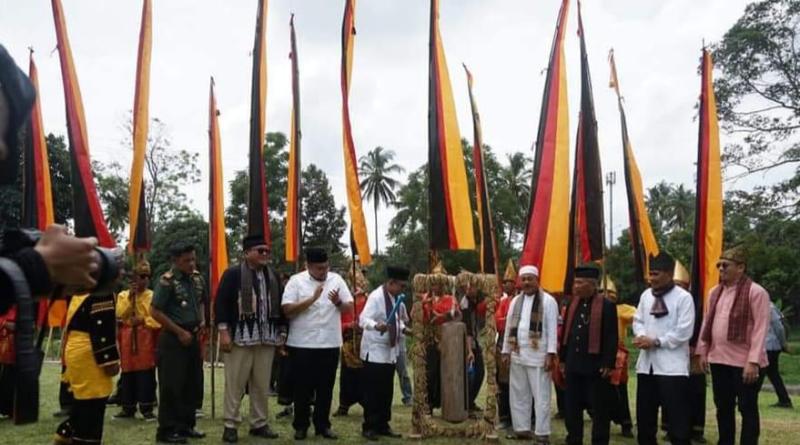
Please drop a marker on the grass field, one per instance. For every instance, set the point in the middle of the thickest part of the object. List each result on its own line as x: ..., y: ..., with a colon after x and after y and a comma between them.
x: 778, y: 426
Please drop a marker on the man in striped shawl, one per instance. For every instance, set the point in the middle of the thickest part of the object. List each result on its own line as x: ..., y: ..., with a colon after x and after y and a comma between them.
x: 530, y: 345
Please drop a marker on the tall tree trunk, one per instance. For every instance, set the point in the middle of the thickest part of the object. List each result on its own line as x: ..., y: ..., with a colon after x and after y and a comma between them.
x: 377, y: 250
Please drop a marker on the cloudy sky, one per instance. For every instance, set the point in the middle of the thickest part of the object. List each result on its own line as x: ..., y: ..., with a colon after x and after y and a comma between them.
x: 504, y: 42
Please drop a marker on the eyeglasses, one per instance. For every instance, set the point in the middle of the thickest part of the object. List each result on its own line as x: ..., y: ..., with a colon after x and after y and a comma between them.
x: 144, y: 276
x: 723, y: 265
x: 263, y: 251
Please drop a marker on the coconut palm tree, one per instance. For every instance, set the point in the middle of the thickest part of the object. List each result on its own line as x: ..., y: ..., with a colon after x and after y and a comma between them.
x: 378, y: 185
x: 516, y: 178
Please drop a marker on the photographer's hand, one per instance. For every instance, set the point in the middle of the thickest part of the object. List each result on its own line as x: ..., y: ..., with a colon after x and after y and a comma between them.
x: 70, y: 260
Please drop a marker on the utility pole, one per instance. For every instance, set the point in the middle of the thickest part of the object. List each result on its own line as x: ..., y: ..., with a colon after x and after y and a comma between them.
x: 611, y: 179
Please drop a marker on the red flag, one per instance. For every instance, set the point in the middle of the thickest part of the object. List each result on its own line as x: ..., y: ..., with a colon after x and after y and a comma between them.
x: 257, y: 208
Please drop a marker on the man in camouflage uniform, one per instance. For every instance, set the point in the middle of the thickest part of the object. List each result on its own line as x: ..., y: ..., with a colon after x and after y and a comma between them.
x: 179, y: 306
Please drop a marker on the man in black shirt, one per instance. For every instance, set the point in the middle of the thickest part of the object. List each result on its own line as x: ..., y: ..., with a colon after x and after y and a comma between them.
x: 588, y: 354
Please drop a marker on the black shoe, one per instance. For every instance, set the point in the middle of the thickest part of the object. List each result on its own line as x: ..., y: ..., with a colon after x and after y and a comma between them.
x: 170, y: 438
x: 124, y: 414
x: 390, y: 433
x: 230, y: 435
x: 194, y: 434
x: 699, y: 439
x: 782, y: 405
x: 264, y: 432
x: 328, y: 434
x: 300, y: 435
x: 149, y: 416
x: 341, y: 412
x: 370, y: 435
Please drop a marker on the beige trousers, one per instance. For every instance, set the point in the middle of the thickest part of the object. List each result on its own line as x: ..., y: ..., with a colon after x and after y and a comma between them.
x: 251, y: 367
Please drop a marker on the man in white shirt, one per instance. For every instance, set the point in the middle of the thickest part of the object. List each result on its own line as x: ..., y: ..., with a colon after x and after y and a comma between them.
x: 530, y: 344
x: 313, y: 301
x: 662, y: 327
x: 380, y: 348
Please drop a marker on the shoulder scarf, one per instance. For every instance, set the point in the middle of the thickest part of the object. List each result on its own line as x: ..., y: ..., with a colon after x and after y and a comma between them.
x: 535, y: 325
x: 595, y: 321
x: 740, y: 312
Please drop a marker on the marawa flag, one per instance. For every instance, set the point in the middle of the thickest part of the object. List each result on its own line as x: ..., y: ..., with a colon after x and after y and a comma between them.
x: 708, y: 210
x: 37, y: 194
x: 293, y: 185
x: 217, y: 244
x: 643, y: 240
x: 257, y: 208
x: 546, y: 235
x: 586, y: 211
x: 139, y: 239
x: 450, y: 209
x: 358, y: 226
x: 86, y: 207
x: 488, y: 249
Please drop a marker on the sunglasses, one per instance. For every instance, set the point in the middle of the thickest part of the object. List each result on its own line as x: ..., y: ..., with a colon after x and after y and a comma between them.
x: 263, y: 251
x: 723, y: 265
x: 144, y: 276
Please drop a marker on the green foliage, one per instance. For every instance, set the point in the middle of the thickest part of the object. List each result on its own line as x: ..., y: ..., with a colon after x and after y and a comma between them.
x: 190, y: 228
x: 378, y: 185
x: 323, y: 224
x: 758, y: 93
x: 11, y: 195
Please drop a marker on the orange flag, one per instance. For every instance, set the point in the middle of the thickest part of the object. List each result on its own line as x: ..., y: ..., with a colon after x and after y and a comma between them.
x: 354, y: 204
x: 217, y: 243
x: 139, y: 239
x: 293, y: 186
x: 257, y: 207
x: 547, y: 233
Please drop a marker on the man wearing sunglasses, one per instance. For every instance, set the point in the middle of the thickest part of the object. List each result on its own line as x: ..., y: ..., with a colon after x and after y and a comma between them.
x: 251, y: 326
x: 137, y: 346
x: 731, y: 345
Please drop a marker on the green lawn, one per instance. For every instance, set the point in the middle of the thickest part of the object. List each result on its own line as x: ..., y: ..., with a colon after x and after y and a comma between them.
x: 778, y: 426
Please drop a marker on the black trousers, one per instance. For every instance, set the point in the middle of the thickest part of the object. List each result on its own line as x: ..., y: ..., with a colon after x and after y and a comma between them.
x: 65, y: 398
x: 314, y: 375
x: 85, y: 422
x: 773, y: 372
x: 697, y: 406
x: 475, y: 376
x: 138, y: 387
x: 729, y: 392
x: 584, y: 391
x: 351, y: 386
x: 378, y: 394
x: 7, y: 384
x: 285, y: 379
x: 670, y: 392
x: 180, y: 383
x: 434, y: 376
x: 621, y: 408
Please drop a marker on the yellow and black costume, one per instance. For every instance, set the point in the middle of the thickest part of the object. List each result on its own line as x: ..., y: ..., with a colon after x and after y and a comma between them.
x: 91, y: 358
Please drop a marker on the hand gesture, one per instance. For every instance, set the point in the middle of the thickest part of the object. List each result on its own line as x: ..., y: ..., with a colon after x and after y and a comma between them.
x: 317, y: 292
x: 333, y: 296
x: 70, y: 260
x: 381, y: 327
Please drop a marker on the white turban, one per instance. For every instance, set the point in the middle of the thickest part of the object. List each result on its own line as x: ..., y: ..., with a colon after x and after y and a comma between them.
x: 525, y: 270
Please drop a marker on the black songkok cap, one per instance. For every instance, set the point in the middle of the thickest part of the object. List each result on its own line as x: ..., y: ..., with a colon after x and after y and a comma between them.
x: 587, y: 271
x: 663, y: 262
x: 397, y: 273
x: 253, y: 240
x: 316, y: 255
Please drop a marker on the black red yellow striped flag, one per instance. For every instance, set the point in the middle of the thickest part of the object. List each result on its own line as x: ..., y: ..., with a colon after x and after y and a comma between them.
x: 488, y: 249
x: 37, y: 194
x: 586, y: 212
x: 546, y: 234
x: 358, y: 225
x: 257, y: 208
x: 450, y: 210
x: 217, y: 243
x: 139, y: 239
x: 643, y: 241
x: 708, y: 210
x: 293, y: 185
x: 89, y: 220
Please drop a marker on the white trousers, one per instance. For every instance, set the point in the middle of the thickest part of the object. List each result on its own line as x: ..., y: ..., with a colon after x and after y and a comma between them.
x: 526, y: 382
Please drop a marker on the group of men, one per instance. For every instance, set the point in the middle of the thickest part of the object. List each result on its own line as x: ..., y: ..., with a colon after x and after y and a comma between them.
x: 577, y: 344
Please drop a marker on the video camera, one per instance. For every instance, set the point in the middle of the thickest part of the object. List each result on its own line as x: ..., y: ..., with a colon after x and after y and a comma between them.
x: 29, y: 355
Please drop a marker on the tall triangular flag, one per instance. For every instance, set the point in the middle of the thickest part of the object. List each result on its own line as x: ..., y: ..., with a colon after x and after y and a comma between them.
x: 89, y: 220
x: 358, y: 225
x: 708, y: 210
x: 643, y: 241
x: 546, y: 234
x: 217, y: 243
x: 293, y: 185
x: 257, y: 207
x: 450, y: 215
